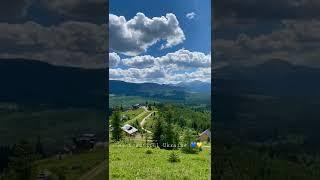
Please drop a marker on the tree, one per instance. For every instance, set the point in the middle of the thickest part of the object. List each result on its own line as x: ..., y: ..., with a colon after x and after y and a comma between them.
x: 121, y: 108
x: 116, y: 129
x: 21, y: 164
x: 149, y: 107
x: 169, y: 135
x: 39, y: 148
x: 187, y: 139
x: 158, y: 131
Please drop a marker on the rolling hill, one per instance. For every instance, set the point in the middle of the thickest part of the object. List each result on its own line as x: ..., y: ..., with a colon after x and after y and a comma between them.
x: 150, y: 90
x: 33, y: 82
x: 274, y: 77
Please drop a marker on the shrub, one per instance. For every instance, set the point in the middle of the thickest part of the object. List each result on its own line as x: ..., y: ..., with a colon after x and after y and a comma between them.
x: 173, y: 157
x: 148, y: 151
x: 187, y: 150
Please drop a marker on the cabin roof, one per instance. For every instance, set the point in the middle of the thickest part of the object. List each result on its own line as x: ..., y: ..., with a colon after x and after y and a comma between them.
x: 207, y: 132
x: 129, y: 129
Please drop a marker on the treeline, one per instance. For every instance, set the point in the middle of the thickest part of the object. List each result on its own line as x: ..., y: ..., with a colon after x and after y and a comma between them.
x: 175, y: 125
x: 243, y: 163
x: 186, y: 117
x: 17, y: 161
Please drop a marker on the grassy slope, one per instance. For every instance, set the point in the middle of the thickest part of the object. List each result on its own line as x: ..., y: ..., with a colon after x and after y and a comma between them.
x: 136, y: 114
x: 74, y: 165
x: 132, y: 114
x: 54, y: 126
x: 127, y: 162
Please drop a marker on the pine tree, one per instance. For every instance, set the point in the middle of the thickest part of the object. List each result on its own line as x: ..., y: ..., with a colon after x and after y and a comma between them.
x: 116, y: 129
x: 187, y: 139
x: 158, y: 131
x: 39, y: 148
x: 21, y: 164
x: 169, y: 135
x: 121, y: 108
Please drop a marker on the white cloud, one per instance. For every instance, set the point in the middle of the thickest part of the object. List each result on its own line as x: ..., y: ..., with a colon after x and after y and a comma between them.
x: 137, y: 75
x: 186, y: 59
x: 191, y: 15
x: 136, y: 35
x: 114, y: 59
x: 70, y: 43
x: 201, y: 74
x: 140, y: 61
x: 182, y: 59
x: 179, y: 66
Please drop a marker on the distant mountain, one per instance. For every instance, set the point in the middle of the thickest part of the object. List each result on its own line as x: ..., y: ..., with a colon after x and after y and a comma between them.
x: 274, y: 77
x: 196, y: 86
x: 33, y: 82
x: 151, y: 90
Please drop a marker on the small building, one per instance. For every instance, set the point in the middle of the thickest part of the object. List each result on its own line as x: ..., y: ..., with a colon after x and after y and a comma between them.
x: 85, y: 141
x: 205, y: 135
x: 136, y: 106
x: 43, y: 175
x: 130, y: 130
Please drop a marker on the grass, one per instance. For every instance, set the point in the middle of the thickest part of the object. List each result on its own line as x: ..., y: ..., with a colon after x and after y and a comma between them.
x: 130, y: 162
x: 74, y: 165
x: 132, y: 113
x: 136, y: 115
x: 151, y: 120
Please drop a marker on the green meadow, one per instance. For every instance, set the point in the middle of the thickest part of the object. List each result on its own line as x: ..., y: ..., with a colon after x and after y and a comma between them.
x: 85, y: 165
x: 134, y: 162
x: 175, y: 124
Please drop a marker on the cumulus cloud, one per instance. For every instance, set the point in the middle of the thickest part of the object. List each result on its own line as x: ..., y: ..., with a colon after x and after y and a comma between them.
x: 201, y: 74
x: 181, y: 59
x: 114, y: 59
x: 140, y: 61
x: 92, y: 10
x: 159, y: 75
x: 70, y: 43
x: 180, y: 66
x: 295, y: 41
x: 186, y: 59
x: 136, y: 35
x: 191, y: 15
x: 137, y: 75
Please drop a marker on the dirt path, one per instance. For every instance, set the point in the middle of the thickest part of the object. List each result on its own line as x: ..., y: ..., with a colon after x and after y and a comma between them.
x: 141, y: 114
x: 144, y: 121
x: 93, y: 173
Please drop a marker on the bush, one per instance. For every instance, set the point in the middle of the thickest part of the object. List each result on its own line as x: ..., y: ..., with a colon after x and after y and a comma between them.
x: 173, y: 157
x: 187, y: 150
x: 148, y: 151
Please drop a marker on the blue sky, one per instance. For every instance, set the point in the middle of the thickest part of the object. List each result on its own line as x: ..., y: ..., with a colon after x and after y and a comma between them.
x: 196, y: 29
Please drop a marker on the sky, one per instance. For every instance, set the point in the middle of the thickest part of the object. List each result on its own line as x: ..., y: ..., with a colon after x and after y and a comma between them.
x: 250, y: 33
x: 64, y: 33
x: 160, y: 41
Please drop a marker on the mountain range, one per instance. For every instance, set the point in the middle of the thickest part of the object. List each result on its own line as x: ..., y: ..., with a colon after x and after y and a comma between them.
x: 35, y: 82
x: 196, y: 86
x: 274, y: 77
x: 38, y: 83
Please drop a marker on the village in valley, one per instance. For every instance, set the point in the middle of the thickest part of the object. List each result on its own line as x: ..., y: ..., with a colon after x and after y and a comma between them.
x: 158, y: 140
